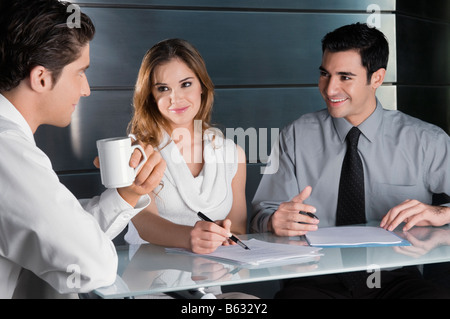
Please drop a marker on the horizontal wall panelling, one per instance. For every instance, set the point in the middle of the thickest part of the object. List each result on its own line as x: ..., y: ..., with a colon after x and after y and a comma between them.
x: 263, y: 57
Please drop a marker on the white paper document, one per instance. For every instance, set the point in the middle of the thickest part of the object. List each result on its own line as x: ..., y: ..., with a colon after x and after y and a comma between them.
x: 260, y: 252
x: 353, y: 236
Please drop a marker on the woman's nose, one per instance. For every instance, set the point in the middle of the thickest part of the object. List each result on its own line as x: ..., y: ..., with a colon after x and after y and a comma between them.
x: 174, y: 96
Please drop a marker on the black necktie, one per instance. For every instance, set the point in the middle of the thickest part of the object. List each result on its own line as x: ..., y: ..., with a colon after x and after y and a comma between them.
x: 351, y: 206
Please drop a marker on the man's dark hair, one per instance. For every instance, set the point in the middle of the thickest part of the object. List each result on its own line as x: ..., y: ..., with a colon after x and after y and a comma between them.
x: 369, y: 42
x: 36, y: 32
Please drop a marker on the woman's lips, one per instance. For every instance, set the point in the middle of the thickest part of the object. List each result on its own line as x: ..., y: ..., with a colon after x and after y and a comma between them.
x: 178, y: 110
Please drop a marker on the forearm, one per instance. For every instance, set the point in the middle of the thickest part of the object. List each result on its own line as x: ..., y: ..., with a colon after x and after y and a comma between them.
x: 160, y: 231
x: 238, y: 217
x: 111, y: 211
x: 238, y: 212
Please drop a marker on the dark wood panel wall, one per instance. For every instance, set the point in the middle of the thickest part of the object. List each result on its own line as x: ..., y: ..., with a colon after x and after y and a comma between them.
x: 263, y: 57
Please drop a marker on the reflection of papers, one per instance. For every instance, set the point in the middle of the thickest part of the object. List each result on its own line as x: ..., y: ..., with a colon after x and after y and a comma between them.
x: 260, y: 252
x: 361, y: 236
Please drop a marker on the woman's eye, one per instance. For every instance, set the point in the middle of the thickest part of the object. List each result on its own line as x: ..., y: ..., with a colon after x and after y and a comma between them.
x: 186, y: 84
x: 162, y: 88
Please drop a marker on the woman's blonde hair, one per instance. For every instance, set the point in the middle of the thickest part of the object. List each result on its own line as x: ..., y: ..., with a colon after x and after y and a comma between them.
x: 148, y: 123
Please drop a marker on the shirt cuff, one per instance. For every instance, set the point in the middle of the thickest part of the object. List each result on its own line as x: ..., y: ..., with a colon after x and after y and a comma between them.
x: 261, y: 220
x: 121, y: 210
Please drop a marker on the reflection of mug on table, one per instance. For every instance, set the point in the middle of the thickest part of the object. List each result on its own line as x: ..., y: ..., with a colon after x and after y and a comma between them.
x: 114, y: 156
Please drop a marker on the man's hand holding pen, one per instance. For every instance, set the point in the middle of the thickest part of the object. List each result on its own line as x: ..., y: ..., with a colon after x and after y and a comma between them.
x: 287, y: 221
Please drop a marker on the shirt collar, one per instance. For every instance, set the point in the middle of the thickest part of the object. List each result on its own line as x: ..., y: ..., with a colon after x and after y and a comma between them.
x: 368, y: 128
x: 9, y: 111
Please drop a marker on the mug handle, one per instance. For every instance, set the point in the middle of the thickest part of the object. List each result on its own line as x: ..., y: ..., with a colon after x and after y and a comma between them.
x: 140, y: 148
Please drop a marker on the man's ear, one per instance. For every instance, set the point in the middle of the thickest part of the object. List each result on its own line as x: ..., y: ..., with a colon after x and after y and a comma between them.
x: 40, y: 79
x: 377, y: 78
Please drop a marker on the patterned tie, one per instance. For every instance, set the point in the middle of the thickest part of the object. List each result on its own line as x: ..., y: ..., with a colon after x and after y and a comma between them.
x: 351, y: 206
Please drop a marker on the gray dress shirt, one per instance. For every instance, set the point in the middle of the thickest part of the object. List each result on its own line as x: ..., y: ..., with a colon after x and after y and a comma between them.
x: 403, y: 158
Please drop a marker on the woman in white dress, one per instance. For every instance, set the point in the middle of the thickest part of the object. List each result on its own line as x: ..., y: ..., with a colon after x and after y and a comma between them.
x: 205, y: 172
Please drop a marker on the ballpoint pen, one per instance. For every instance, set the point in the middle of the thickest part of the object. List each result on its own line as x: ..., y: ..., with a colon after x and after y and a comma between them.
x: 309, y: 215
x: 232, y: 237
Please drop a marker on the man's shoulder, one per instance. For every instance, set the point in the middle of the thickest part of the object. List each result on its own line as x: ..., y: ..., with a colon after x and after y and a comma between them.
x: 309, y: 120
x: 12, y: 132
x: 397, y: 120
x: 7, y: 125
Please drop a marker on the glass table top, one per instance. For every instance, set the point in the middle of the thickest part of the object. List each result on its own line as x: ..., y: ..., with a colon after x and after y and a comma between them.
x: 149, y: 269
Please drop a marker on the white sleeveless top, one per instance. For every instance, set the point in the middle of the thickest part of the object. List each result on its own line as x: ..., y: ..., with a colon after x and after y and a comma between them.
x: 184, y: 195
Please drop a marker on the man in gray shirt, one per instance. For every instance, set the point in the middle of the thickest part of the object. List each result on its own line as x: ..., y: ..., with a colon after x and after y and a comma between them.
x: 405, y: 160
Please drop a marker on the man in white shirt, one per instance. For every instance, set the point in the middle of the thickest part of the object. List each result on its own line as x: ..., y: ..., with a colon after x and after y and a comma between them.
x: 43, y: 227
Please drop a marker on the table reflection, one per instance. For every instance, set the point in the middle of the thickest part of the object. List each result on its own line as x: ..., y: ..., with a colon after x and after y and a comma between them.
x: 149, y: 269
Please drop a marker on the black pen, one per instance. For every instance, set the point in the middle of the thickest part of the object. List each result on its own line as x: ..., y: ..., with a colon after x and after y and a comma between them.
x: 232, y: 237
x: 308, y: 214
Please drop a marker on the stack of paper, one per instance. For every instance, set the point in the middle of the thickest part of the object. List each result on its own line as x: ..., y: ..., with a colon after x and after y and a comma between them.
x: 260, y: 252
x: 361, y: 236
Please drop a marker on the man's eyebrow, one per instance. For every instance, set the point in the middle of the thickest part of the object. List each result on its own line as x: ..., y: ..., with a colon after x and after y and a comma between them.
x: 321, y: 68
x: 346, y: 73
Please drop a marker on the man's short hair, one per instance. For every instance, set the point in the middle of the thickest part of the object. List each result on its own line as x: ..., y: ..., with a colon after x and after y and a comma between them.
x: 369, y: 42
x: 36, y: 32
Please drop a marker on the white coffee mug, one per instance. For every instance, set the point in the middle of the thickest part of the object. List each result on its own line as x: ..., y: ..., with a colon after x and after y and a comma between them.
x: 114, y: 155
